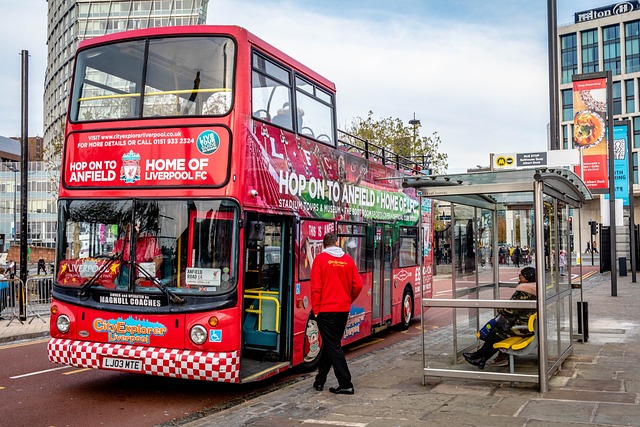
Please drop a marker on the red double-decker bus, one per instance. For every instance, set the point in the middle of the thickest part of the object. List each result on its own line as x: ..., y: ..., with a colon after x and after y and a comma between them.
x: 202, y: 168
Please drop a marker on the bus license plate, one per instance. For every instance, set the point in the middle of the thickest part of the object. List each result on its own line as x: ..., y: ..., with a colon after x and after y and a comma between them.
x: 126, y: 364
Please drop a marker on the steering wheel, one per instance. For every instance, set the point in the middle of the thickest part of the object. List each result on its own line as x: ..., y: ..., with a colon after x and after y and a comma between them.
x: 309, y: 131
x: 266, y: 113
x: 323, y: 136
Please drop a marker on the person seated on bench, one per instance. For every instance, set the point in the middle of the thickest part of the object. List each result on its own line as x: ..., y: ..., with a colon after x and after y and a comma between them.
x: 506, y: 319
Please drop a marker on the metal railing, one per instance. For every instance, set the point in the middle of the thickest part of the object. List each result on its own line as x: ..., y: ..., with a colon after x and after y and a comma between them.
x: 369, y: 150
x: 25, y: 301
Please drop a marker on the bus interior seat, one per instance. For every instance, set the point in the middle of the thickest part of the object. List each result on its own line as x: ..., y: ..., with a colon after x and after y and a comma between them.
x: 267, y: 337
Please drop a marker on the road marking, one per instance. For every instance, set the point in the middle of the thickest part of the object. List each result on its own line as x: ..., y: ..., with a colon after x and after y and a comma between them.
x: 366, y: 344
x: 39, y: 372
x: 334, y: 423
x: 22, y: 344
x: 77, y: 371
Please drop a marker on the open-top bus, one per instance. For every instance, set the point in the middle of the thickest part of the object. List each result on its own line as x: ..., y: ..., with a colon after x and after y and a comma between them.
x: 184, y: 141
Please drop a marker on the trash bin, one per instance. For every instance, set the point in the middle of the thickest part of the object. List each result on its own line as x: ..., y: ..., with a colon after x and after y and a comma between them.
x: 622, y: 266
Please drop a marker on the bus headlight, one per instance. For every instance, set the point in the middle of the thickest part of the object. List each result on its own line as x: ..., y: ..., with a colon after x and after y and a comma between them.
x: 198, y: 334
x: 63, y: 323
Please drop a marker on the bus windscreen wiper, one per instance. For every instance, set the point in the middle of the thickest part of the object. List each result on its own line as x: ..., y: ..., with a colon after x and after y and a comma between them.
x: 157, y: 283
x: 92, y: 281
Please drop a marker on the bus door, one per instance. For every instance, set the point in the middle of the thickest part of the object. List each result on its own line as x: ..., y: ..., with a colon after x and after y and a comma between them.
x: 381, y: 305
x: 267, y: 272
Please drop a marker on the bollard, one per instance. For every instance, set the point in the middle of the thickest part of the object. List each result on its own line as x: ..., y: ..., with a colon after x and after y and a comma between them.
x: 583, y: 320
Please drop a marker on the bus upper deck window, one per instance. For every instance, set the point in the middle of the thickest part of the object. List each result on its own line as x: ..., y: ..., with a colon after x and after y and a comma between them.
x: 318, y: 111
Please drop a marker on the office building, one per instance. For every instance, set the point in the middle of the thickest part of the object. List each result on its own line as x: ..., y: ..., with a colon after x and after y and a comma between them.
x: 71, y: 21
x: 606, y: 38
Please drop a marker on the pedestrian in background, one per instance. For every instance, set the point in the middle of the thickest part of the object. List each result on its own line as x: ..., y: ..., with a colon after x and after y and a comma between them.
x: 42, y: 267
x: 516, y: 256
x: 11, y: 270
x: 335, y: 284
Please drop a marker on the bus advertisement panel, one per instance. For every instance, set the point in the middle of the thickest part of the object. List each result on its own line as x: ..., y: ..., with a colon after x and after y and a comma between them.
x: 316, y: 180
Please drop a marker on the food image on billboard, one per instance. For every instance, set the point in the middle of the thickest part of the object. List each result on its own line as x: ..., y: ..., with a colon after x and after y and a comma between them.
x: 588, y: 128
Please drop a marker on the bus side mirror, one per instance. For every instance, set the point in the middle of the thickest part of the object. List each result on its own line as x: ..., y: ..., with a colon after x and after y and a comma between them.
x: 256, y: 230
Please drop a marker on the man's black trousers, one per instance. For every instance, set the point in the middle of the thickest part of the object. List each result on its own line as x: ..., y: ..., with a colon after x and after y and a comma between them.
x: 331, y: 327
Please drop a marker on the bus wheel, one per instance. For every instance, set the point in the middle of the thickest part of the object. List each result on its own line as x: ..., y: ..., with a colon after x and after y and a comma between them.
x: 407, y: 309
x: 312, y: 345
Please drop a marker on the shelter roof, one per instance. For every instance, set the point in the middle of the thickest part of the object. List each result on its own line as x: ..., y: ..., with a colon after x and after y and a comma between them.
x: 497, y: 189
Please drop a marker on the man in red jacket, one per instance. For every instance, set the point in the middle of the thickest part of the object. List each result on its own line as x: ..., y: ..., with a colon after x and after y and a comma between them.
x: 335, y: 284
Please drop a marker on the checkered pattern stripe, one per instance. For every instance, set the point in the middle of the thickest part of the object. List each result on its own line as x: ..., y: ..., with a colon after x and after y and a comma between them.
x: 165, y: 362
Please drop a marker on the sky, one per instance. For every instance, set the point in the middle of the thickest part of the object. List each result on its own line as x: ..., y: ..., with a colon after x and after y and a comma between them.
x: 474, y: 71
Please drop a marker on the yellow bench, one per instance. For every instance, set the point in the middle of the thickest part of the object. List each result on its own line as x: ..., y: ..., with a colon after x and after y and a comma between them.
x: 519, y: 345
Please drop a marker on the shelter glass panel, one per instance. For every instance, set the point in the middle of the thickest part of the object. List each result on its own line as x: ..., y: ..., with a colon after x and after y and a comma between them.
x: 550, y: 240
x: 563, y: 252
x: 464, y: 243
x: 485, y: 245
x: 552, y: 322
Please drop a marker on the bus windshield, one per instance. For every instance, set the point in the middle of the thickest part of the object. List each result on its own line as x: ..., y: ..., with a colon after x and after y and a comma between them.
x: 160, y: 77
x: 187, y: 247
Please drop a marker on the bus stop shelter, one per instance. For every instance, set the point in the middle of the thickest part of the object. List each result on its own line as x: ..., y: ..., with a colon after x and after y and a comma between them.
x: 491, y: 215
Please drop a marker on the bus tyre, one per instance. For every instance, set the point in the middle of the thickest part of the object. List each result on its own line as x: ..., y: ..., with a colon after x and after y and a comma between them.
x: 312, y: 345
x: 407, y: 309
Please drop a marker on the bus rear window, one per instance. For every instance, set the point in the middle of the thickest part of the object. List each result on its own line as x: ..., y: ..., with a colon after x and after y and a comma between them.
x: 178, y: 76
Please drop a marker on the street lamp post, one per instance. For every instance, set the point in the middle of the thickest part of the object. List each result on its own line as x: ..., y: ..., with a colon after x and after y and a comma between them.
x: 415, y: 123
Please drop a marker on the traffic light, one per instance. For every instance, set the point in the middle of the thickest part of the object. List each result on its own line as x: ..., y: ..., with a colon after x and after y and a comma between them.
x: 594, y: 228
x: 570, y: 225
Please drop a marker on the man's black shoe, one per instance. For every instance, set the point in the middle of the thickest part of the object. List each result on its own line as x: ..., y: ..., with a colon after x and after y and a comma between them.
x: 318, y: 387
x: 479, y: 362
x: 342, y: 390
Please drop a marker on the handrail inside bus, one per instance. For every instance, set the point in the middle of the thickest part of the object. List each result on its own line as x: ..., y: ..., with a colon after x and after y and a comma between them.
x: 258, y: 294
x: 167, y: 92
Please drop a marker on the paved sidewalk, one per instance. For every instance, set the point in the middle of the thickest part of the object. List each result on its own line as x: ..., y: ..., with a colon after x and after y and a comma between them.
x: 15, y: 330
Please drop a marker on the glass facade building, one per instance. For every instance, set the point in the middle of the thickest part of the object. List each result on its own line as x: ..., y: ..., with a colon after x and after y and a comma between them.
x: 610, y: 42
x: 41, y: 205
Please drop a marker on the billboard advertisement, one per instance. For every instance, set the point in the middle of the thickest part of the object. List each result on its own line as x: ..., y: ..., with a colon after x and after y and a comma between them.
x: 589, y: 131
x: 620, y: 163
